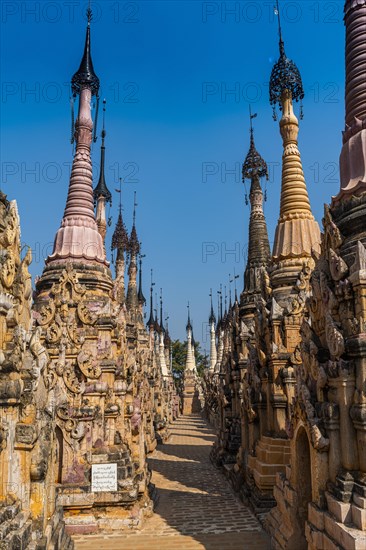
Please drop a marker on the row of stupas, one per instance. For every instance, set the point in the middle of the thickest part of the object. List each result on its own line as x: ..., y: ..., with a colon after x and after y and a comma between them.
x: 286, y: 386
x: 86, y: 390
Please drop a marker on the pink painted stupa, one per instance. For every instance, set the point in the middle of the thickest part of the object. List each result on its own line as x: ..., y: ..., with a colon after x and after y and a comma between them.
x: 78, y: 240
x: 353, y: 154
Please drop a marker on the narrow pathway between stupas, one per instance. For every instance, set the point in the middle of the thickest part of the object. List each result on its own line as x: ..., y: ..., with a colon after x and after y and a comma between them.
x: 196, y: 509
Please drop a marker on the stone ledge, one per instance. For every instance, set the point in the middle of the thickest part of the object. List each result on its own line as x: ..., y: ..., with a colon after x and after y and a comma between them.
x: 347, y: 537
x: 358, y: 517
x: 340, y: 510
x: 359, y: 500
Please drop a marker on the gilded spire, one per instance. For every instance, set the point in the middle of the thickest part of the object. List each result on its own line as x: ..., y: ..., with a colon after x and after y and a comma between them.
x: 285, y: 75
x: 297, y: 233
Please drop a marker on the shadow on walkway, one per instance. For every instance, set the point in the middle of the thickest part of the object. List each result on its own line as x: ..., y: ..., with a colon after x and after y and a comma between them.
x: 195, y: 498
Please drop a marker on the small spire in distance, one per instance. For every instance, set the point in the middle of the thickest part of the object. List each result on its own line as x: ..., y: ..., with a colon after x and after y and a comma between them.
x: 212, y: 318
x: 120, y: 236
x: 254, y: 165
x: 189, y: 325
x: 101, y: 190
x: 140, y: 295
x: 151, y: 320
x: 134, y: 245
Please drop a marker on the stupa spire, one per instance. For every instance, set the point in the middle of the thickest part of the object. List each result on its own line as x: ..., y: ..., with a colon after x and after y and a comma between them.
x: 297, y: 232
x: 101, y: 193
x: 255, y: 168
x: 190, y: 360
x: 78, y: 238
x: 161, y: 311
x: 120, y: 244
x: 212, y: 318
x: 140, y: 295
x: 151, y: 321
x: 162, y: 358
x: 133, y: 250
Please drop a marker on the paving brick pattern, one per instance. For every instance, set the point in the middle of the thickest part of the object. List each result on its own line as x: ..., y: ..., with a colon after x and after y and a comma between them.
x: 196, y: 509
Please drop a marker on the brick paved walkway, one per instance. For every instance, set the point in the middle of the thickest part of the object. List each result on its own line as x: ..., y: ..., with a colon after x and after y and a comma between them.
x: 196, y: 508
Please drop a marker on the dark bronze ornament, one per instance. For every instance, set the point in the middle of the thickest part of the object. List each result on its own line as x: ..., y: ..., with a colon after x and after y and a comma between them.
x: 254, y: 165
x: 85, y: 76
x: 284, y: 76
x: 101, y: 190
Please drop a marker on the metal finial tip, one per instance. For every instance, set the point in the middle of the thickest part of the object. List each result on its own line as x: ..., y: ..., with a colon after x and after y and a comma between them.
x: 253, y: 165
x: 89, y: 14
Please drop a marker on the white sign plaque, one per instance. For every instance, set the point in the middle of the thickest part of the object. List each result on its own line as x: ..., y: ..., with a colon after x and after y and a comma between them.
x: 104, y: 477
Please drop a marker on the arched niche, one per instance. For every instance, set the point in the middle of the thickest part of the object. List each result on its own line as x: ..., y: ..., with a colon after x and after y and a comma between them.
x: 303, y: 480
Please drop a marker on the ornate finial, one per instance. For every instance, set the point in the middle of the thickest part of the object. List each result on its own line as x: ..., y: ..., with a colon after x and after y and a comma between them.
x: 89, y: 14
x: 120, y: 194
x: 134, y: 245
x: 285, y: 75
x: 212, y: 318
x: 218, y: 308
x: 189, y: 326
x: 235, y: 277
x: 140, y: 295
x: 281, y: 42
x: 156, y: 322
x: 134, y: 207
x: 85, y: 76
x: 151, y: 321
x: 120, y: 236
x: 103, y: 130
x: 167, y: 340
x: 101, y: 190
x: 254, y: 165
x: 220, y: 293
x: 161, y: 310
x: 230, y: 282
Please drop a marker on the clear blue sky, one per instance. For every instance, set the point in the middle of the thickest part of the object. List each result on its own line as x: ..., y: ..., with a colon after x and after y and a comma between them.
x: 166, y: 70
